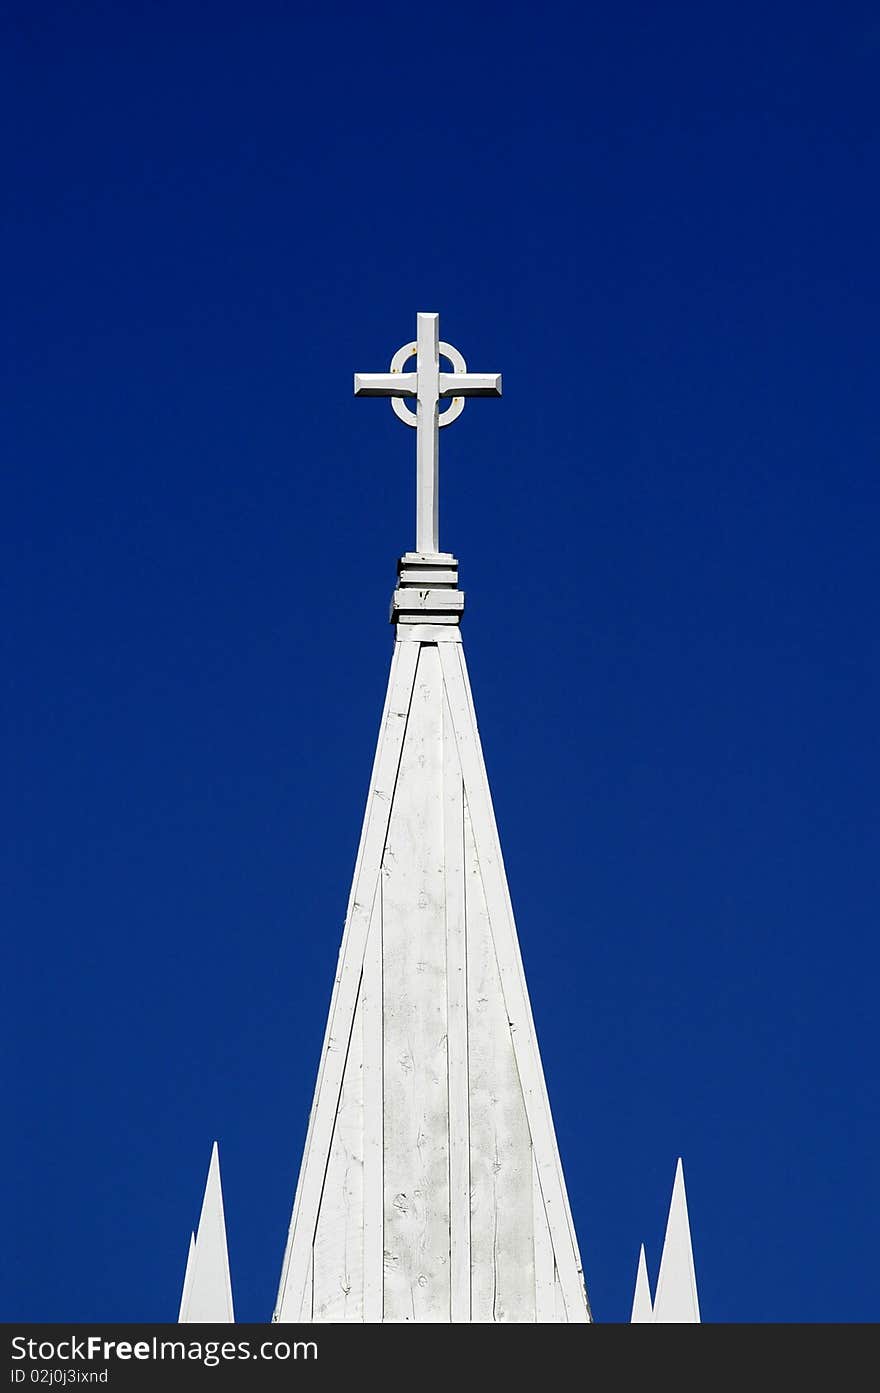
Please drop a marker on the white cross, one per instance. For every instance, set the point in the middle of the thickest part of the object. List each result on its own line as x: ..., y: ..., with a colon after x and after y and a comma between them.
x: 427, y: 384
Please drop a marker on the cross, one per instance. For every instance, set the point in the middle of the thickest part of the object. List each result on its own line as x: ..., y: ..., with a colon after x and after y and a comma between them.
x: 427, y: 384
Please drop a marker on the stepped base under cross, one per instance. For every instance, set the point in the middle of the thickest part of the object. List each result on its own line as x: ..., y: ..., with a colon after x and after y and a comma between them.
x: 427, y: 589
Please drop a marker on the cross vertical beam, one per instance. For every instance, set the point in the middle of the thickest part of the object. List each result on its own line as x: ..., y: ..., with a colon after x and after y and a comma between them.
x: 427, y: 432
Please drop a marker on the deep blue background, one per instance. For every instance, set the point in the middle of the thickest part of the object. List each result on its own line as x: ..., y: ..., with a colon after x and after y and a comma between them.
x: 661, y: 224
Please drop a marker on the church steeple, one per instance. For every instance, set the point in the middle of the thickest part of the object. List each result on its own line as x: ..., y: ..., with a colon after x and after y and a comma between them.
x: 207, y: 1288
x: 431, y: 1187
x: 676, y: 1302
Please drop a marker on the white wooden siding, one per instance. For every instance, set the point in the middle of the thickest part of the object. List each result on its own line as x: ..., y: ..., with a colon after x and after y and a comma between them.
x: 416, y: 1147
x: 430, y: 1188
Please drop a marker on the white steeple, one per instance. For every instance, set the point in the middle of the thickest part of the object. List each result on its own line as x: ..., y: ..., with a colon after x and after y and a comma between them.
x: 187, y: 1278
x: 207, y: 1289
x: 431, y: 1187
x: 676, y: 1300
x: 642, y: 1310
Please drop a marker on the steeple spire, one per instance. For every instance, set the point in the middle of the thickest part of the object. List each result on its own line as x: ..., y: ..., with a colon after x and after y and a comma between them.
x: 676, y: 1301
x: 431, y: 1187
x: 207, y: 1289
x: 642, y: 1310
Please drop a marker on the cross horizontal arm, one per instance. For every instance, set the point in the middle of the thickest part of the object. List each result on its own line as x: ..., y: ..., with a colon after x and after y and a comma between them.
x: 469, y: 384
x: 385, y: 384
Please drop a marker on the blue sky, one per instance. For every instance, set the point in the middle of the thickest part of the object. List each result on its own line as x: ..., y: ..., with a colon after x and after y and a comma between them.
x: 661, y: 225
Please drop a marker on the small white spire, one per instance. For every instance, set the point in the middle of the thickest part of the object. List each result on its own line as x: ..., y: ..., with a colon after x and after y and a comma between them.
x: 676, y: 1300
x: 642, y: 1310
x: 207, y: 1287
x: 187, y: 1278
